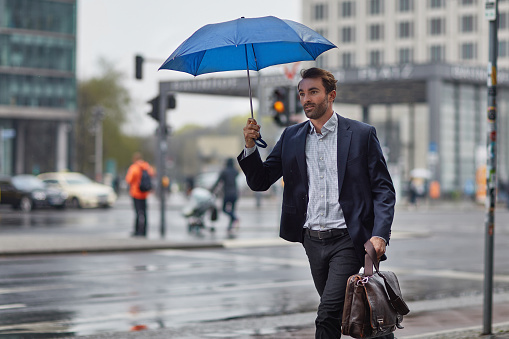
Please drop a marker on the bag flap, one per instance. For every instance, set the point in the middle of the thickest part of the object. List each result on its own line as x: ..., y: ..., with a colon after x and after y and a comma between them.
x: 382, y: 314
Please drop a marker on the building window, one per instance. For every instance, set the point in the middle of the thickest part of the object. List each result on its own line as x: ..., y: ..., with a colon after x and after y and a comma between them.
x: 375, y: 58
x: 405, y: 5
x: 347, y: 9
x: 437, y: 53
x: 37, y: 52
x: 376, y: 32
x: 468, y: 23
x: 502, y: 20
x: 347, y: 34
x: 405, y: 55
x: 468, y: 51
x: 347, y: 60
x: 436, y: 3
x: 375, y: 7
x: 320, y: 11
x: 405, y: 30
x: 436, y: 26
x: 468, y: 2
x: 502, y: 49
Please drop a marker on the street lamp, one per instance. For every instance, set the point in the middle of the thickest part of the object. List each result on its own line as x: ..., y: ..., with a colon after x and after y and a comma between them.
x: 98, y: 116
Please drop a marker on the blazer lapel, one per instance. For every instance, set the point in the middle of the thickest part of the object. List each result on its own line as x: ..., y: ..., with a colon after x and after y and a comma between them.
x: 344, y: 138
x: 300, y: 148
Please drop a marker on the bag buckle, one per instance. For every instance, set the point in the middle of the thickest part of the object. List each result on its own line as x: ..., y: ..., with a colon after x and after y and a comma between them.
x: 362, y: 281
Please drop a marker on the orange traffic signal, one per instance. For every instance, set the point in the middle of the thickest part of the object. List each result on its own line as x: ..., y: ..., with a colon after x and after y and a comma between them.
x: 279, y: 106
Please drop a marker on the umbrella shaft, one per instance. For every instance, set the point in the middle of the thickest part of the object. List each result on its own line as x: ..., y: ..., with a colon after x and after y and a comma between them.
x: 249, y: 83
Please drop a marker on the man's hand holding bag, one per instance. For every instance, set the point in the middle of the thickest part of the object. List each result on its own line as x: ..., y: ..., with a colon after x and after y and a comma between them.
x: 374, y: 305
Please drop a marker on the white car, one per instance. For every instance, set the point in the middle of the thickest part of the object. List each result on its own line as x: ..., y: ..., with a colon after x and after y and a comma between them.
x: 82, y: 192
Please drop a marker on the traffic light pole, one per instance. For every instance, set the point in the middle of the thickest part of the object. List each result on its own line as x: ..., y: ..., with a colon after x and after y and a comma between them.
x: 491, y: 168
x: 161, y: 158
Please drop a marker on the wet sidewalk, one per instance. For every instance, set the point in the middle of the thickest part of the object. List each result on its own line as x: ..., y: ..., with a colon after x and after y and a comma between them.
x: 427, y: 320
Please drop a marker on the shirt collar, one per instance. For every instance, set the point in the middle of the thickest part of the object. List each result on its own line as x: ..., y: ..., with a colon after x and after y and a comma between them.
x: 329, y: 126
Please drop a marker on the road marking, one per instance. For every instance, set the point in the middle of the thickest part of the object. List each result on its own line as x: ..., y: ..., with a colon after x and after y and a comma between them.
x: 279, y: 284
x: 11, y: 306
x: 257, y: 242
x: 448, y: 274
x: 453, y: 274
x: 235, y: 257
x: 33, y: 289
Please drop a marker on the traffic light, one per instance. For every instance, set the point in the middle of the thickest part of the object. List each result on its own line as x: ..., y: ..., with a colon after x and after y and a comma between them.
x: 280, y: 106
x: 170, y: 104
x: 138, y: 60
x: 154, y: 113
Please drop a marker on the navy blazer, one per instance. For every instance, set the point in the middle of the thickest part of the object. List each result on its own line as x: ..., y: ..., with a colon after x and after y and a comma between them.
x: 366, y: 192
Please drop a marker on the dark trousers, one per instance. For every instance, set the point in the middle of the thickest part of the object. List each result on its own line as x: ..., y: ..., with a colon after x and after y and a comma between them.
x: 140, y: 221
x: 229, y: 208
x: 331, y: 261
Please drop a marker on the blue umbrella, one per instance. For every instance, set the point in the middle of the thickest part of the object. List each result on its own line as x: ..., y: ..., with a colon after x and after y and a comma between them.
x: 246, y: 43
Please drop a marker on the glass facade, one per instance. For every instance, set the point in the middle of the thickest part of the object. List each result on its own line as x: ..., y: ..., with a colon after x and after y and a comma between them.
x: 447, y: 139
x: 467, y: 118
x: 37, y: 79
x: 462, y: 134
x: 38, y: 36
x: 37, y: 91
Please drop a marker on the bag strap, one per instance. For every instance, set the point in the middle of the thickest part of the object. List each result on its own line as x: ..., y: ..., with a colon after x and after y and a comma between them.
x: 371, y: 261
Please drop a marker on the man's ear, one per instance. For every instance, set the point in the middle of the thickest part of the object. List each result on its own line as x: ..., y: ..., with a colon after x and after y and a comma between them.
x: 332, y: 95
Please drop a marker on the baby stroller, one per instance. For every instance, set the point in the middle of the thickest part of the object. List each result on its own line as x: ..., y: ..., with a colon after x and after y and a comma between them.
x: 201, y: 202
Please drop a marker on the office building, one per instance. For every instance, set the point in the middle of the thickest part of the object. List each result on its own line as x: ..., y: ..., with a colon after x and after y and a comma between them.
x: 417, y: 70
x: 37, y: 84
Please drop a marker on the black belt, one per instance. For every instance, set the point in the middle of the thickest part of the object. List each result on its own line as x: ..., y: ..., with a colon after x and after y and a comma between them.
x: 335, y: 232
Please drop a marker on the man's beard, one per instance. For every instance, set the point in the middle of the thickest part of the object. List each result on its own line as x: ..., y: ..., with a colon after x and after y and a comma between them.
x: 318, y: 111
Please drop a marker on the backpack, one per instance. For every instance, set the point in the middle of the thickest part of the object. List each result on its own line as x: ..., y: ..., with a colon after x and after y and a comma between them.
x: 145, y: 181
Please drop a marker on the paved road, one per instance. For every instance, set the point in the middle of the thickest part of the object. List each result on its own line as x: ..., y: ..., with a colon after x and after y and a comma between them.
x: 436, y: 252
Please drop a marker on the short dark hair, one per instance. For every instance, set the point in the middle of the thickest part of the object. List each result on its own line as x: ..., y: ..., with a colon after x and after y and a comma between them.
x: 328, y: 80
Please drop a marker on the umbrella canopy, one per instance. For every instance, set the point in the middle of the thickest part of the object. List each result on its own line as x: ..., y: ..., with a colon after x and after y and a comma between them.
x: 246, y: 44
x: 250, y: 44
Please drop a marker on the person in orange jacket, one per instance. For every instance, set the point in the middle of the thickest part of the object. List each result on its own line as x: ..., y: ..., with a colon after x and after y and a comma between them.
x: 133, y: 179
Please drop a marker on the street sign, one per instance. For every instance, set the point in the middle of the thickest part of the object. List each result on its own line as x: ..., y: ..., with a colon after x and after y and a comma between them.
x: 490, y: 12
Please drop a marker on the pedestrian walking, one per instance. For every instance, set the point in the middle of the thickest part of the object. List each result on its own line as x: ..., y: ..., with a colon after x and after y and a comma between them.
x: 228, y: 182
x: 412, y: 193
x: 138, y: 177
x: 337, y: 193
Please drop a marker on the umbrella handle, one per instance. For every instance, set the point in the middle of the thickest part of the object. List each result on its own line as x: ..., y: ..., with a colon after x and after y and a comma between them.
x: 260, y: 142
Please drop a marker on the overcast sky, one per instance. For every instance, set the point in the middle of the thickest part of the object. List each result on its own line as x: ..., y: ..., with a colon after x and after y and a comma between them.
x: 117, y: 30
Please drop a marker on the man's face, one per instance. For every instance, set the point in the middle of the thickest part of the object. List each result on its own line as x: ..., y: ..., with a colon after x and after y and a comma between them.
x: 314, y: 99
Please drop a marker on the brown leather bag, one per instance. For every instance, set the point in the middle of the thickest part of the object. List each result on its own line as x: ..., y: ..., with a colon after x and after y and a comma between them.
x: 374, y: 305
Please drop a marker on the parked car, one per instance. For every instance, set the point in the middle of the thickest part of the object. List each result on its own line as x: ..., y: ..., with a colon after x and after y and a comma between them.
x: 27, y: 192
x: 82, y: 192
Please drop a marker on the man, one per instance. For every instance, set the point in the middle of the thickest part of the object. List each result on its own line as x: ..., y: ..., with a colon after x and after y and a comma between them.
x: 337, y: 192
x: 133, y: 178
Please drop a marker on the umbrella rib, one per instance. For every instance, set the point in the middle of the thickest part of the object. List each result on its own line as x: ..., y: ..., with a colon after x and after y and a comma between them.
x: 304, y: 46
x: 255, y: 59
